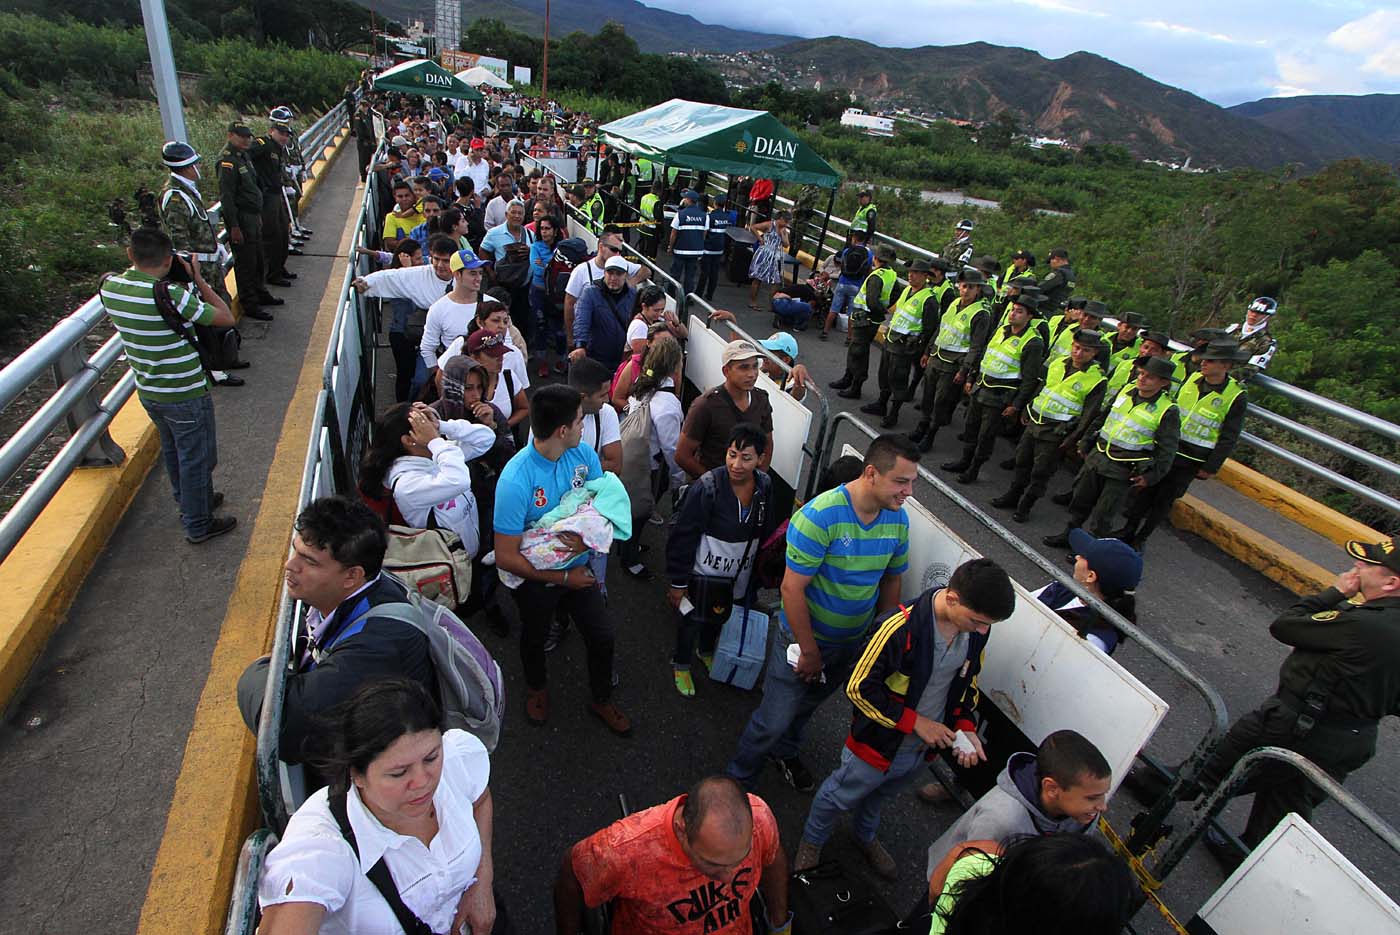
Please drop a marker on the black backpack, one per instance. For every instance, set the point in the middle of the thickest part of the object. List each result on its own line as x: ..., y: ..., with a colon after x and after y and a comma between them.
x: 854, y: 262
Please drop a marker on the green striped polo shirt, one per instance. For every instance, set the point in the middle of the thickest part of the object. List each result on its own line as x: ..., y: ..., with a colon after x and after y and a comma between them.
x: 167, y: 366
x: 846, y: 559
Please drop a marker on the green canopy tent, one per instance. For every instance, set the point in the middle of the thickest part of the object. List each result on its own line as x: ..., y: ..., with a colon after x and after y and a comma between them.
x: 426, y: 77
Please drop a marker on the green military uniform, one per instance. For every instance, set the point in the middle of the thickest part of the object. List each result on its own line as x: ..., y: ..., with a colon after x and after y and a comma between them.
x: 867, y: 311
x: 1066, y: 401
x: 958, y: 252
x: 1341, y: 678
x: 365, y: 140
x: 1257, y: 349
x: 915, y: 318
x: 1006, y: 377
x: 269, y: 159
x: 295, y: 168
x: 1128, y: 438
x: 952, y: 359
x: 185, y: 219
x: 1057, y: 286
x: 242, y: 202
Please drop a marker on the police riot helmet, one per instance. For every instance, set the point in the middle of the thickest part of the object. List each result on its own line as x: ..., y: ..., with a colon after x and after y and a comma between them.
x: 1264, y: 305
x: 965, y: 224
x: 282, y: 114
x: 177, y: 154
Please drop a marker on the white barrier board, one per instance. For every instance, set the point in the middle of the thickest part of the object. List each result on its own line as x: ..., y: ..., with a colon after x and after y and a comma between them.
x: 792, y: 421
x: 1037, y: 670
x: 1296, y: 881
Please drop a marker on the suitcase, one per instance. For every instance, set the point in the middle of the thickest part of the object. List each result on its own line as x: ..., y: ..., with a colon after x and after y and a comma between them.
x: 829, y: 900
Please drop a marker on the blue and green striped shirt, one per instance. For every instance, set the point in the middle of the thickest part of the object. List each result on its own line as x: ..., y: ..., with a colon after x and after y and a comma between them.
x: 846, y: 560
x: 166, y: 365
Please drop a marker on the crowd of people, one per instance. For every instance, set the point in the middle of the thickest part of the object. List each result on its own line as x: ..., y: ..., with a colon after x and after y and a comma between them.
x: 540, y: 480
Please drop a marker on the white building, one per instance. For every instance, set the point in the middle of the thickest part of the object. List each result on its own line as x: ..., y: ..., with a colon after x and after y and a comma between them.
x: 867, y: 123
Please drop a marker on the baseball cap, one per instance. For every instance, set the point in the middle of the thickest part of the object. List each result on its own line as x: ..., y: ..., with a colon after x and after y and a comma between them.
x: 781, y: 342
x: 1386, y: 552
x: 465, y: 259
x: 1118, y: 565
x: 399, y: 140
x: 478, y: 143
x: 616, y: 262
x: 482, y: 341
x: 720, y: 199
x: 738, y: 350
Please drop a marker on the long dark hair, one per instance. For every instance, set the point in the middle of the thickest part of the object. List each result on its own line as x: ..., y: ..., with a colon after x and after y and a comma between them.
x: 384, y: 449
x: 1055, y: 884
x: 368, y: 724
x: 406, y: 246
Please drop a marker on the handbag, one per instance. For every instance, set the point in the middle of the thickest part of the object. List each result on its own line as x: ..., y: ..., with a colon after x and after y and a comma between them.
x: 431, y: 561
x: 827, y: 898
x: 514, y: 270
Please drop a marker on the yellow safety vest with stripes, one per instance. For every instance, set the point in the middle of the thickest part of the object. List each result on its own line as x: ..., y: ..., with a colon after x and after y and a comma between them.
x: 888, y: 280
x: 1001, y: 361
x: 1062, y: 398
x: 861, y: 222
x: 1132, y: 426
x: 909, y: 311
x: 1203, y: 414
x: 955, y: 329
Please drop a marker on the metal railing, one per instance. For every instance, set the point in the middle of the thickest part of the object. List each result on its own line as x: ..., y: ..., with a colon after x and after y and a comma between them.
x: 243, y: 906
x: 76, y: 403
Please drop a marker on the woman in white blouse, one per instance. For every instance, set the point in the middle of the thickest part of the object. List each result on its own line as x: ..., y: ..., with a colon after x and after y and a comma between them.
x: 656, y: 388
x: 411, y: 796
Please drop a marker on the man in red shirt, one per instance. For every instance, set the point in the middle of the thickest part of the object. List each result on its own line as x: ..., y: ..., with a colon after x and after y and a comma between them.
x: 685, y: 867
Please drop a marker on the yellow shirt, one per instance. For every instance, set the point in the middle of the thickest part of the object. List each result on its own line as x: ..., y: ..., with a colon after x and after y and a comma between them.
x: 398, y: 226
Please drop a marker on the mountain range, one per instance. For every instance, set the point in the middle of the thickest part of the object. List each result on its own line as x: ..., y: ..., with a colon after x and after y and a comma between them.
x: 1083, y: 97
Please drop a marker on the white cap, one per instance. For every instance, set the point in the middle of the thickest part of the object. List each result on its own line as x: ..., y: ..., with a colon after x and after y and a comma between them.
x: 617, y: 262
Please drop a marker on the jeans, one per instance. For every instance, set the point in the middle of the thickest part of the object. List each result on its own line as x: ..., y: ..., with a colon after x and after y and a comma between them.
x: 775, y: 727
x: 189, y: 448
x: 536, y: 602
x: 549, y: 324
x: 709, y: 275
x: 687, y: 625
x: 686, y: 270
x: 857, y: 787
x: 843, y: 295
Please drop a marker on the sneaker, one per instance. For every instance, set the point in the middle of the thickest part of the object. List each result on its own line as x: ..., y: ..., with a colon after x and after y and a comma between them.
x: 794, y: 773
x: 933, y: 793
x: 808, y: 856
x: 684, y: 683
x: 217, y: 527
x: 879, y: 859
x: 611, y: 715
x: 537, y: 705
x: 558, y: 629
x: 707, y: 660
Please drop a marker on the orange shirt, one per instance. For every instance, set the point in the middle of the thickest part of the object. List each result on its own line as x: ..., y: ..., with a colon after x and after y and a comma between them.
x: 639, y: 862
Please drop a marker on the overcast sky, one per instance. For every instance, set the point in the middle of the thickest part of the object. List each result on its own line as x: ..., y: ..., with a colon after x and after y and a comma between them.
x: 1227, y: 51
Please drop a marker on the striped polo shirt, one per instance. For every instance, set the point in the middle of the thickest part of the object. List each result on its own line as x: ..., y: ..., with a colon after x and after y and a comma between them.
x: 167, y: 366
x: 845, y: 559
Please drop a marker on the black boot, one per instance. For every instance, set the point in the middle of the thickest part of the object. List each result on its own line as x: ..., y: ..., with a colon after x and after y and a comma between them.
x: 1007, y: 499
x: 1009, y: 464
x: 960, y: 465
x: 970, y: 475
x: 1058, y: 541
x: 891, y: 418
x: 876, y: 408
x: 850, y: 392
x: 1023, y: 508
x: 926, y: 445
x: 1062, y: 499
x: 842, y: 383
x: 919, y: 432
x: 1127, y: 534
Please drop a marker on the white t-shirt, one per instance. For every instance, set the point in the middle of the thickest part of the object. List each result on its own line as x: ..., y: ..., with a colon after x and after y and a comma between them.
x: 447, y: 321
x: 600, y: 429
x: 478, y: 173
x: 586, y: 273
x: 637, y: 330
x: 315, y: 864
x: 666, y: 419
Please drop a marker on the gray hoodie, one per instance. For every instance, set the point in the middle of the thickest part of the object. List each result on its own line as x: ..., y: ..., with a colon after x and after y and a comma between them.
x: 1012, y: 809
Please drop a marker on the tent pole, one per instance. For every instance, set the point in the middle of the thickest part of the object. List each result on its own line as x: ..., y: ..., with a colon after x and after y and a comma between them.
x: 826, y: 222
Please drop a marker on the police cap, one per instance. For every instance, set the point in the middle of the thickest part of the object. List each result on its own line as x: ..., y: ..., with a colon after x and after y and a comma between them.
x: 1096, y: 308
x: 1089, y: 338
x: 239, y: 129
x: 885, y: 253
x: 1159, y: 367
x: 1076, y: 301
x: 1221, y: 349
x: 972, y: 275
x: 1386, y: 552
x: 1160, y: 337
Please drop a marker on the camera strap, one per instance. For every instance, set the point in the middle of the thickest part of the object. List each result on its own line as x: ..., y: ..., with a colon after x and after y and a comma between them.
x: 171, y: 316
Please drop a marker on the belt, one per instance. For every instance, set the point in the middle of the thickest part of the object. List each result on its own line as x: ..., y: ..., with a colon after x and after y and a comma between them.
x: 1295, y: 705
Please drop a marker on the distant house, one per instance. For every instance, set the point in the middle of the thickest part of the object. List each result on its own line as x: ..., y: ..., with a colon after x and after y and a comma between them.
x: 867, y: 123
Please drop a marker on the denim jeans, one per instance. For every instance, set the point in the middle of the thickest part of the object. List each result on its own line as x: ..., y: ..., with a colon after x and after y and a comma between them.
x: 857, y: 787
x: 549, y: 324
x: 189, y: 448
x: 686, y: 271
x: 775, y: 727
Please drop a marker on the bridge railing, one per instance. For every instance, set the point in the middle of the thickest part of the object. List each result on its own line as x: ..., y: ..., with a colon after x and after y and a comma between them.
x: 78, y: 403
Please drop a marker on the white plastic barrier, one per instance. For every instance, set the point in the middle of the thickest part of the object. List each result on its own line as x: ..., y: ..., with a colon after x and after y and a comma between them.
x: 1037, y: 670
x: 792, y: 421
x: 1296, y: 881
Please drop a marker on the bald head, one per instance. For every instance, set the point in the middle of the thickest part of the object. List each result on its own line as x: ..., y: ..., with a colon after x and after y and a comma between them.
x: 714, y: 827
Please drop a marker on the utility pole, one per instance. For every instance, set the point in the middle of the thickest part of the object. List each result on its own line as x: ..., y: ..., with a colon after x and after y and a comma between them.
x: 172, y: 110
x: 544, y: 62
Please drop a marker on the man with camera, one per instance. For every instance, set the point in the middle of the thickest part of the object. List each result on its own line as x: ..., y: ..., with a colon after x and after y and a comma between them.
x: 170, y: 379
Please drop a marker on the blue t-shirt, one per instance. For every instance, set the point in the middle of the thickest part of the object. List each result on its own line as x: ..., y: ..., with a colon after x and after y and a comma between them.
x: 541, y: 254
x: 493, y: 245
x: 531, y: 485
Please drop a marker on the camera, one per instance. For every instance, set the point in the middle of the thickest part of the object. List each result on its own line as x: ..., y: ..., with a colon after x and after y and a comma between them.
x: 177, y: 269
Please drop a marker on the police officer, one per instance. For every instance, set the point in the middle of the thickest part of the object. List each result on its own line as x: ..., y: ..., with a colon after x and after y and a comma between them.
x: 1067, y: 399
x: 1091, y: 314
x: 651, y: 209
x: 1006, y: 381
x: 914, y: 320
x: 366, y: 140
x: 593, y: 207
x: 951, y: 360
x: 1153, y: 344
x: 687, y: 246
x: 269, y: 157
x: 1190, y: 360
x: 867, y: 311
x: 716, y: 240
x: 958, y: 251
x: 1022, y: 264
x: 864, y: 220
x: 1341, y: 678
x: 295, y: 174
x: 241, y: 199
x: 1124, y: 341
x: 1131, y: 442
x: 1058, y: 284
x: 1257, y: 343
x: 1212, y: 407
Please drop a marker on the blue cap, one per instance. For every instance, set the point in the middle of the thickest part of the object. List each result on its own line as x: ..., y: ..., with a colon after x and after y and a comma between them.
x: 465, y: 259
x: 691, y: 193
x: 720, y: 198
x: 1118, y: 565
x: 783, y: 343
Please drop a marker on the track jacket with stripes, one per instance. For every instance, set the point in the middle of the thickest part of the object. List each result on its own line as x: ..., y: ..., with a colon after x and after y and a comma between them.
x: 890, y: 676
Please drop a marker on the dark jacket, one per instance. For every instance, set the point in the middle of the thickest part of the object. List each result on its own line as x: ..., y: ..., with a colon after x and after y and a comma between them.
x: 707, y: 529
x: 1347, y: 654
x: 600, y: 322
x: 890, y: 676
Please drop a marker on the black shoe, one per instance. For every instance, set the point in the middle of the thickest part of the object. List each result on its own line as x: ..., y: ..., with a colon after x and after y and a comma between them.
x: 956, y: 467
x: 230, y: 380
x: 875, y: 408
x: 270, y: 299
x: 1008, y: 499
x: 1008, y: 465
x: 240, y: 365
x: 1020, y: 516
x: 841, y: 383
x: 1057, y: 541
x: 794, y: 773
x: 279, y: 281
x: 295, y: 251
x: 1223, y: 850
x: 216, y: 501
x: 287, y: 275
x: 891, y: 419
x: 918, y: 434
x: 218, y: 525
x: 926, y: 445
x: 1062, y: 499
x: 970, y: 475
x: 257, y: 314
x: 850, y: 392
x: 305, y: 232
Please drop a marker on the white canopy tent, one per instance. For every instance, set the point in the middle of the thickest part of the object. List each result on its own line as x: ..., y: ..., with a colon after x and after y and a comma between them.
x: 479, y: 75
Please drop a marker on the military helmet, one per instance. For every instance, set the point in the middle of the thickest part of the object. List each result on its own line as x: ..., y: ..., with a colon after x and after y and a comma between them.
x: 282, y: 114
x: 177, y: 155
x: 1264, y: 305
x: 965, y: 224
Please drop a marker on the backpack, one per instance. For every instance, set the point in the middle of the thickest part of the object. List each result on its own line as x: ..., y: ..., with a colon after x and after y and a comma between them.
x: 217, y: 347
x: 513, y: 270
x: 568, y: 254
x: 432, y: 562
x: 636, y: 456
x: 470, y: 687
x: 853, y: 261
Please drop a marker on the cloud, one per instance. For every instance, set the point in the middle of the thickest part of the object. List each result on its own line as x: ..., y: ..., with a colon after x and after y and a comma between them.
x: 1194, y: 33
x: 1375, y: 38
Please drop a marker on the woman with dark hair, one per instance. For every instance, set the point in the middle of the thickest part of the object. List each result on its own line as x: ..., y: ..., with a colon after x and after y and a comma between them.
x: 656, y: 388
x: 463, y: 395
x: 1053, y: 884
x: 451, y: 222
x: 403, y: 790
x: 549, y: 321
x: 766, y: 267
